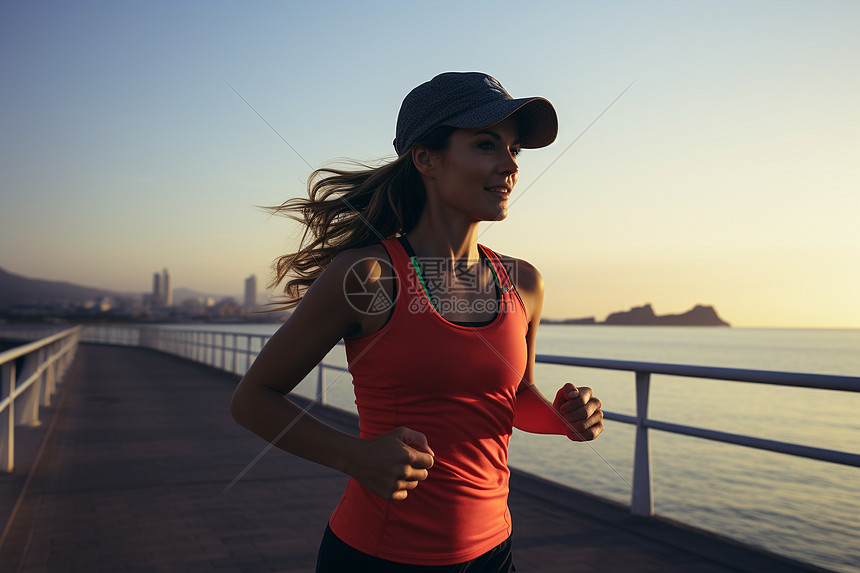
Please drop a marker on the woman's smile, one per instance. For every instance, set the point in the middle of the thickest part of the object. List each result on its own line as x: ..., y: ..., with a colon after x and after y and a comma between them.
x: 502, y: 193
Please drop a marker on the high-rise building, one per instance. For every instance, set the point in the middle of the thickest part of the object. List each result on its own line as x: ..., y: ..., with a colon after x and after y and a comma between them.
x: 167, y: 294
x: 156, y: 288
x: 250, y: 293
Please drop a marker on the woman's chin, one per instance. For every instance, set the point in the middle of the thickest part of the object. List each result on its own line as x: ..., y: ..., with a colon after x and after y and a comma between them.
x: 500, y: 215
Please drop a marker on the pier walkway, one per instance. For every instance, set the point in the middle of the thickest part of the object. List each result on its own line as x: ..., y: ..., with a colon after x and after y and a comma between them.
x: 140, y: 448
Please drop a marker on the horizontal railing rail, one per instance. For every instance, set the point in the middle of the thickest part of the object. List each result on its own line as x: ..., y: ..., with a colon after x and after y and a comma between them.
x: 229, y: 351
x: 820, y: 381
x: 30, y: 375
x: 642, y: 502
x: 234, y: 352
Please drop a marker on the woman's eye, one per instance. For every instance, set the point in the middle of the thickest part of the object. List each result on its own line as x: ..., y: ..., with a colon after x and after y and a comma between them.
x: 491, y: 146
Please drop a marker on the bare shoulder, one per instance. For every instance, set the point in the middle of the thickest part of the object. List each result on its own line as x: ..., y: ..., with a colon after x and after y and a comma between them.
x: 349, y: 273
x: 524, y: 275
x: 366, y: 276
x: 368, y: 262
x: 529, y: 282
x: 375, y: 250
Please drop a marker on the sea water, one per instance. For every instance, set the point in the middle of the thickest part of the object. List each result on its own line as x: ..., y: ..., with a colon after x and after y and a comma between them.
x: 805, y: 509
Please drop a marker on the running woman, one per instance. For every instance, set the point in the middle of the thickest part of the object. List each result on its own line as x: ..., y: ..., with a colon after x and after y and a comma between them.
x: 439, y: 333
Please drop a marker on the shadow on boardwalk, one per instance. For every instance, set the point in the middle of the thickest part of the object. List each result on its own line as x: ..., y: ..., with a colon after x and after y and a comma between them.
x: 134, y: 467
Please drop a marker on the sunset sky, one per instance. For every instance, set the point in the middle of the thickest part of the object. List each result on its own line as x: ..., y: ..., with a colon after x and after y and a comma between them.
x: 728, y: 174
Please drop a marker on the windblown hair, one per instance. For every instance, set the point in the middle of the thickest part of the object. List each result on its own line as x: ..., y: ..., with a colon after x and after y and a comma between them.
x: 348, y: 209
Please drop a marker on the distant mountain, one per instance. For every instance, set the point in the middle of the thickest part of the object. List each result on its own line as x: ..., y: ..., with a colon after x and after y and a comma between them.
x: 700, y: 315
x: 16, y: 290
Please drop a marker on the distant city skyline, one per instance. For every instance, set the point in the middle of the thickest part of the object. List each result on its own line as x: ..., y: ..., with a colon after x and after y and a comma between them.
x: 250, y: 293
x: 162, y: 291
x: 725, y: 176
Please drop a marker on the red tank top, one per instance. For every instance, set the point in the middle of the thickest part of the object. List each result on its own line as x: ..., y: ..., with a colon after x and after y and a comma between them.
x: 456, y: 385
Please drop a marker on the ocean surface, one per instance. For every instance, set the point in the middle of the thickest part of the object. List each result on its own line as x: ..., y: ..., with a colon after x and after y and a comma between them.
x: 806, y: 509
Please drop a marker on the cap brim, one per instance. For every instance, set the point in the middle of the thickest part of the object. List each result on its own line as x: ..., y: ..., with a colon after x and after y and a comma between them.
x: 536, y: 117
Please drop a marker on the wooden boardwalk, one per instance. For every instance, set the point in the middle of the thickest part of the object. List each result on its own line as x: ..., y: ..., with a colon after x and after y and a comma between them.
x: 138, y: 453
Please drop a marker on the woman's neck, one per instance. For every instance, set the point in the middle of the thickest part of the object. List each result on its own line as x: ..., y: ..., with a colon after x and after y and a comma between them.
x: 457, y: 244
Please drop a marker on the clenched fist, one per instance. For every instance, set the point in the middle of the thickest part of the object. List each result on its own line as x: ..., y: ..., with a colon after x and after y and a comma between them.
x: 580, y: 411
x: 393, y: 463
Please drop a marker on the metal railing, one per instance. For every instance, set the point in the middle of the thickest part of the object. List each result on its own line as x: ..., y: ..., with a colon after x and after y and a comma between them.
x: 642, y: 502
x: 234, y: 352
x: 30, y: 374
x: 229, y: 351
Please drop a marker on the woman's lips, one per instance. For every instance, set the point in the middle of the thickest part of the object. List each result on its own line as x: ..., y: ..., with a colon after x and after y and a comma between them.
x: 500, y: 190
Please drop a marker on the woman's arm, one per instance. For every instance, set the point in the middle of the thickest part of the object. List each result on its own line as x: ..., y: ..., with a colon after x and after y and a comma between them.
x: 389, y: 465
x: 575, y: 412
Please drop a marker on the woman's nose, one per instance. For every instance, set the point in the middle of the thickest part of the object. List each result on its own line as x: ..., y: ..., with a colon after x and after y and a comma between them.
x: 509, y: 164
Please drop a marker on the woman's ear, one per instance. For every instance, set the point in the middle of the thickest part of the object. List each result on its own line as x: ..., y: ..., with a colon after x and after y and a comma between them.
x: 425, y: 160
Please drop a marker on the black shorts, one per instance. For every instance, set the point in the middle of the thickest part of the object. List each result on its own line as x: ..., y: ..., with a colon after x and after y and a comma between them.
x: 335, y: 556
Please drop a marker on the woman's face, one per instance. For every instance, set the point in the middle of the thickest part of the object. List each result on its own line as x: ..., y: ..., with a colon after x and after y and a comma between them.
x: 479, y: 169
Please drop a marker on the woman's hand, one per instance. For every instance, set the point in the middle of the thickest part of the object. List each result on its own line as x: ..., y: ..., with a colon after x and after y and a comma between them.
x: 393, y: 463
x: 581, y: 412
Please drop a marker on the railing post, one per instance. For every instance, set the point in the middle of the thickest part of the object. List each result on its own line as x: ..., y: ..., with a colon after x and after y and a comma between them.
x: 27, y: 414
x: 223, y: 351
x: 321, y: 384
x: 247, y: 352
x: 43, y: 375
x: 643, y: 501
x: 235, y: 352
x: 50, y: 379
x: 7, y: 419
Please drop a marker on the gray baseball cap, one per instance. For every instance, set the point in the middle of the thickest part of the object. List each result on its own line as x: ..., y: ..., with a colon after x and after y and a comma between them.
x: 471, y: 100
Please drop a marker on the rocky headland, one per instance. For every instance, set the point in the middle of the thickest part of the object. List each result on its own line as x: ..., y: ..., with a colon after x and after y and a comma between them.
x: 699, y: 315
